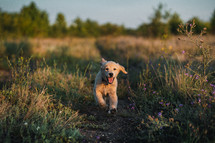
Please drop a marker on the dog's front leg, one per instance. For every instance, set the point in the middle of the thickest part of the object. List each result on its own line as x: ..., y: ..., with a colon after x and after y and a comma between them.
x: 113, y: 99
x: 100, y: 100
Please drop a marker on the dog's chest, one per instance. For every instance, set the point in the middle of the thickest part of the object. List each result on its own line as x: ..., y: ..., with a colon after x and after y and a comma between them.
x: 107, y: 89
x: 105, y: 92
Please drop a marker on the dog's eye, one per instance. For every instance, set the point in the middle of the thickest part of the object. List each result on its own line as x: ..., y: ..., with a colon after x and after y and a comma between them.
x: 114, y: 69
x: 106, y: 69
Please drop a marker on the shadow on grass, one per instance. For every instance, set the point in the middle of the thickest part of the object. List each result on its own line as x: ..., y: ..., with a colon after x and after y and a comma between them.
x: 22, y: 48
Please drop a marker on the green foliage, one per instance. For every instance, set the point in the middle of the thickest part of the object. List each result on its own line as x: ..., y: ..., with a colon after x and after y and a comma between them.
x: 9, y: 24
x: 157, y: 27
x: 174, y: 22
x: 91, y: 28
x: 86, y: 28
x: 29, y: 22
x: 33, y: 22
x: 59, y: 28
x: 111, y: 29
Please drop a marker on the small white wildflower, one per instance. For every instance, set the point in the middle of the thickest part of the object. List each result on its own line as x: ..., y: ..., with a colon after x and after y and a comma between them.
x: 25, y: 123
x: 60, y: 112
x: 38, y: 128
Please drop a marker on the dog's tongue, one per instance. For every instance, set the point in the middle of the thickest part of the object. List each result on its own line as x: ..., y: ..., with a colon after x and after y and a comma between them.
x: 110, y: 79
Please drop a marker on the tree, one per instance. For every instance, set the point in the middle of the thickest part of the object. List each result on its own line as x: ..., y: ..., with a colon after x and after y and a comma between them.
x: 156, y: 27
x: 77, y: 28
x: 92, y: 28
x: 32, y: 21
x: 111, y: 29
x: 59, y: 28
x: 7, y: 23
x: 88, y: 28
x: 212, y: 23
x: 174, y: 22
x: 144, y: 30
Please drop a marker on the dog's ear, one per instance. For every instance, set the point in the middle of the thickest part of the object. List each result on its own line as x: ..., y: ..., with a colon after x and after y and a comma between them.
x: 103, y: 61
x: 122, y: 69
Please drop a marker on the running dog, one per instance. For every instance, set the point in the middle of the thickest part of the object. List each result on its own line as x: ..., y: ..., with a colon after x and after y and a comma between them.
x: 106, y: 85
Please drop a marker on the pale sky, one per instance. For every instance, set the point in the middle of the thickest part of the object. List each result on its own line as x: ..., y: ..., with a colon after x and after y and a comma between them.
x: 130, y: 13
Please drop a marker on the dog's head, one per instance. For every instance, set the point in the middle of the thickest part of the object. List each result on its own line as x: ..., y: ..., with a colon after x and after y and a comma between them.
x: 110, y: 70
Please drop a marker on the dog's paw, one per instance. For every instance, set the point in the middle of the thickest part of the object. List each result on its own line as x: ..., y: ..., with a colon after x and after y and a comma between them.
x: 103, y: 106
x: 112, y: 111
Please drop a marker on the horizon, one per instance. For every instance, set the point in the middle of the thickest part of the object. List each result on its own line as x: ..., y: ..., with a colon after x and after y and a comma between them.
x: 127, y: 13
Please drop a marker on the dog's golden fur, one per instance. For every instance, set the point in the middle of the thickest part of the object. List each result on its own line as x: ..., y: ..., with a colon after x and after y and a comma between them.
x: 106, y: 84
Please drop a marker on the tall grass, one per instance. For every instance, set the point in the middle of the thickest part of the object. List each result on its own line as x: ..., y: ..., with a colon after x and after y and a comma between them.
x: 73, y: 89
x: 176, y: 101
x: 30, y: 113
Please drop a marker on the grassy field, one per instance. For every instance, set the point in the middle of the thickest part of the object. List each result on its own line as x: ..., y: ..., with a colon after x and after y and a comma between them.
x: 168, y: 96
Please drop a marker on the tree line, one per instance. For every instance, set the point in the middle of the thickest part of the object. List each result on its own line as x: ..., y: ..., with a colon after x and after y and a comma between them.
x: 33, y: 22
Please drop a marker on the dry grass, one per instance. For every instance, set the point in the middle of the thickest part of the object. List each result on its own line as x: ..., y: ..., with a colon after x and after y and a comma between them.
x: 148, y: 48
x: 83, y: 48
x: 127, y: 46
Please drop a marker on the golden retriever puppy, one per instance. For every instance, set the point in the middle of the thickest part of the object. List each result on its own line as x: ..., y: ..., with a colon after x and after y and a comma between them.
x: 106, y: 85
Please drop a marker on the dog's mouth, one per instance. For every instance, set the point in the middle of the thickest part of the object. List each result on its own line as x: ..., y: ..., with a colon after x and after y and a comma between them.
x: 110, y: 80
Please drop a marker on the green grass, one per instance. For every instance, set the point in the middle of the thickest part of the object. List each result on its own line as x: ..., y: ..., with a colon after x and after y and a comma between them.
x: 172, y: 92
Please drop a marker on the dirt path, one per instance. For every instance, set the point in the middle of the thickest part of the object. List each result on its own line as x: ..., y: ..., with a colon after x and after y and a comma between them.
x: 102, y: 127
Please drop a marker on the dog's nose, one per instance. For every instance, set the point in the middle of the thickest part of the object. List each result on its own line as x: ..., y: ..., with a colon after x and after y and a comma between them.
x: 111, y: 74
